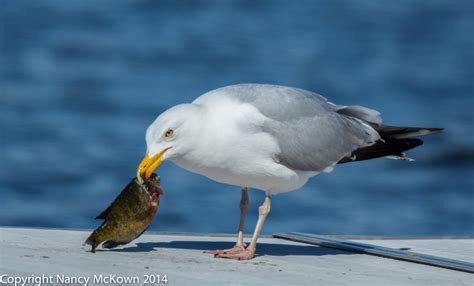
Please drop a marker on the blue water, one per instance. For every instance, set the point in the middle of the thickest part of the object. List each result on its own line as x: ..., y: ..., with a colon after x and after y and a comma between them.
x: 81, y: 81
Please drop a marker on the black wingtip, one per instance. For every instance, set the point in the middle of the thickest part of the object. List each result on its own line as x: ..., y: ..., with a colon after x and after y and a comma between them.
x: 383, y: 148
x: 436, y: 130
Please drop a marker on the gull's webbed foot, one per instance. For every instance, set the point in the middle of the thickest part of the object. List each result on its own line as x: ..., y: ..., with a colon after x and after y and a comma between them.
x: 241, y: 254
x: 234, y: 249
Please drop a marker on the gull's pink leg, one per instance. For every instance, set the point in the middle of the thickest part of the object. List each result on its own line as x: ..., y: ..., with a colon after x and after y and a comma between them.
x: 239, y: 246
x: 249, y: 252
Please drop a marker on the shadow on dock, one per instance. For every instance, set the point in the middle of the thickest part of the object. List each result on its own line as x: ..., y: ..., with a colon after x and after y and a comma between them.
x: 262, y: 248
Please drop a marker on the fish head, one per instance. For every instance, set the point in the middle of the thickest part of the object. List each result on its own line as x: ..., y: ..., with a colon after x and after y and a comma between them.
x: 154, y: 189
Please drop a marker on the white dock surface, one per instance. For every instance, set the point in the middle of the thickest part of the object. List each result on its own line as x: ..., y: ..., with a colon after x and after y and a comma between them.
x: 26, y: 252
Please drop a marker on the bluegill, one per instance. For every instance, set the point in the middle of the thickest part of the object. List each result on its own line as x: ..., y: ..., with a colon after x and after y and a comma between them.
x: 129, y: 215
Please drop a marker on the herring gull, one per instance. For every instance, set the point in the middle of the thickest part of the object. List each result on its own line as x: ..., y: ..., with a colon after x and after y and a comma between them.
x: 271, y: 138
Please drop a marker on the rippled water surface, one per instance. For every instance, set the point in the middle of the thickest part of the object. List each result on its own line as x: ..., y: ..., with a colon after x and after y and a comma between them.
x: 81, y: 80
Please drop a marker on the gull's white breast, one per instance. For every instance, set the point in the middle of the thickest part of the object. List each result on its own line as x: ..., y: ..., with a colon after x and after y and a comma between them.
x: 233, y: 149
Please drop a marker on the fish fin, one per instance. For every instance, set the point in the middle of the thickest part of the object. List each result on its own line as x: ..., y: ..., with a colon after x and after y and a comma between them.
x: 104, y: 214
x: 112, y: 208
x: 112, y: 244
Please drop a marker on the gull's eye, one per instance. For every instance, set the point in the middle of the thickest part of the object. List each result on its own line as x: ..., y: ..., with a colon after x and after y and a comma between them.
x: 169, y: 133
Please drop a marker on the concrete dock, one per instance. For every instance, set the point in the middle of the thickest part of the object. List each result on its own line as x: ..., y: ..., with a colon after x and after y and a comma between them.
x: 178, y: 259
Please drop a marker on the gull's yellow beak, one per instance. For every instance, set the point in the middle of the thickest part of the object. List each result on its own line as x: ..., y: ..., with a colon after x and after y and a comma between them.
x: 148, y: 165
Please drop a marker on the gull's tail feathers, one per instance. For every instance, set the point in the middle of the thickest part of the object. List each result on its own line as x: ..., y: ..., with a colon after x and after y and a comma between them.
x: 405, y: 132
x: 393, y: 143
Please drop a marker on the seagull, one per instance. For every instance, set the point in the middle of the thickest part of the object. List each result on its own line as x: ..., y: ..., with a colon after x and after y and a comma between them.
x: 270, y: 138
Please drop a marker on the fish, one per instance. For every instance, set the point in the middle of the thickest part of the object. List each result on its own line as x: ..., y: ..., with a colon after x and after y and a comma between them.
x: 129, y: 215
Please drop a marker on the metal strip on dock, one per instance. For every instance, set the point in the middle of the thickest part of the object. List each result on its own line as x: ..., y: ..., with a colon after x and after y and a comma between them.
x: 376, y: 250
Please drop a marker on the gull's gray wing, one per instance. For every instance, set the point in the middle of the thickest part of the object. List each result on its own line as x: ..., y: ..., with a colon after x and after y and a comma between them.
x: 312, y: 133
x: 318, y: 142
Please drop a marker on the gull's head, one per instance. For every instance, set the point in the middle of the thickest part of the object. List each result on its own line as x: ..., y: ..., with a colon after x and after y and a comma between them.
x: 171, y: 135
